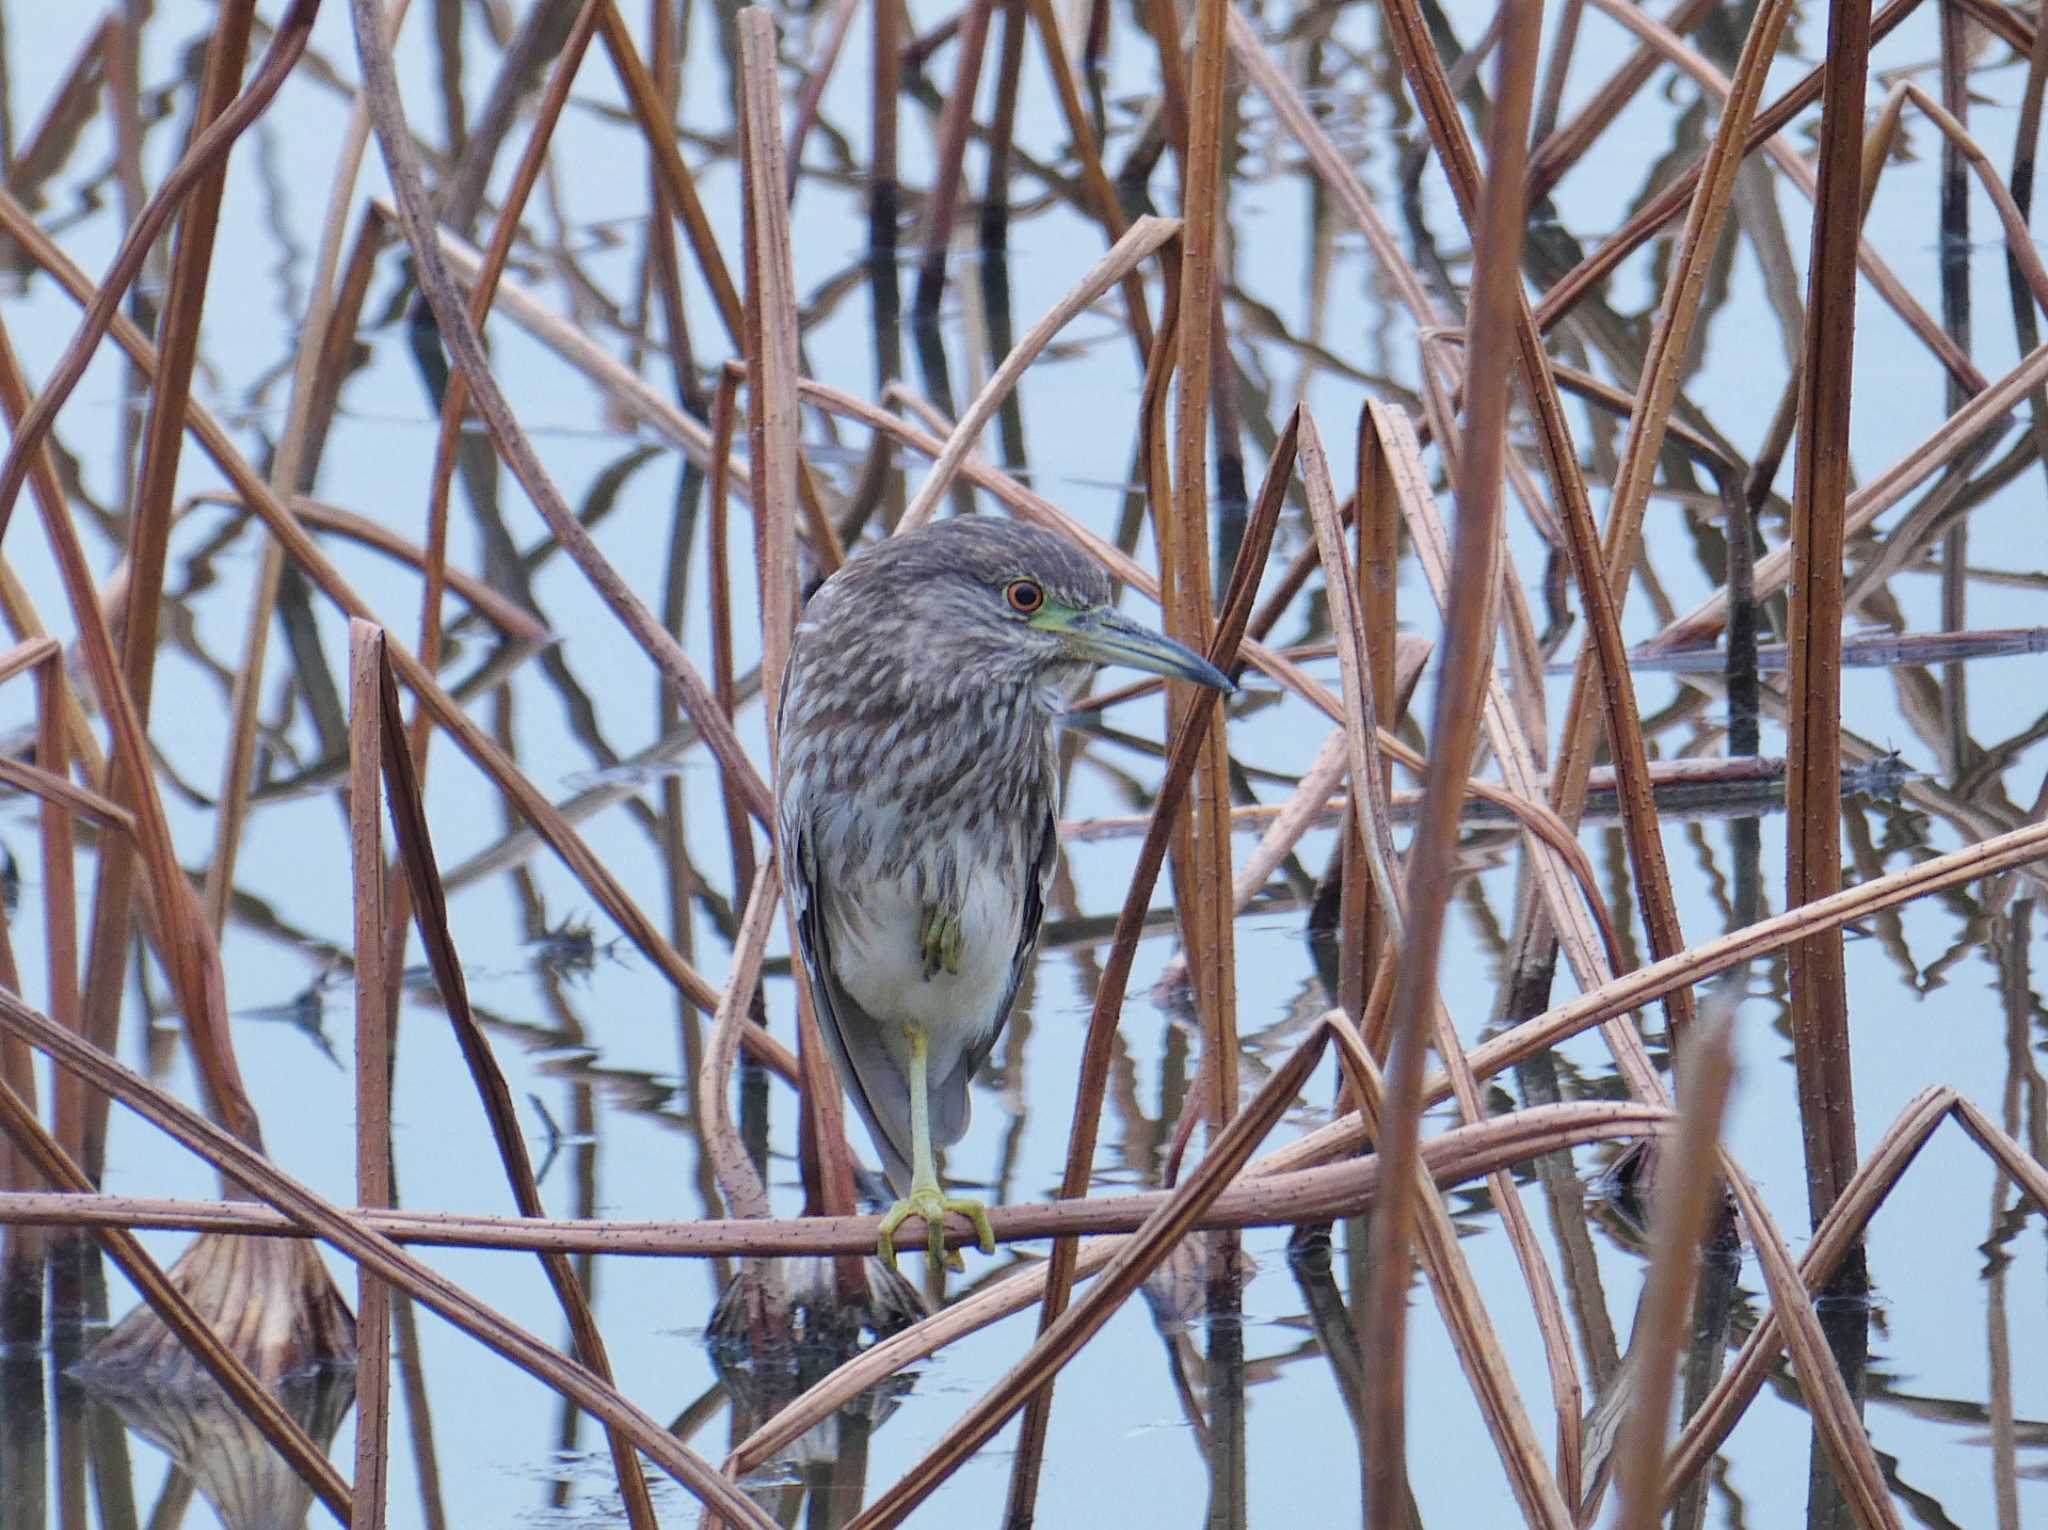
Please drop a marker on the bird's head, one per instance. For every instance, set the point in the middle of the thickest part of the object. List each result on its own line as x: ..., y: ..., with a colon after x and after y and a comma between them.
x: 980, y: 599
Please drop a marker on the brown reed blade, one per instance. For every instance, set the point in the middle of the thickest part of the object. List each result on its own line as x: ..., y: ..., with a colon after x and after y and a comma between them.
x: 1102, y: 197
x: 745, y: 1195
x: 386, y: 1259
x: 739, y: 833
x: 1349, y: 624
x: 658, y: 133
x: 163, y: 429
x: 1838, y: 1427
x: 373, y: 1064
x: 1478, y: 1348
x: 163, y: 438
x: 60, y: 872
x: 1181, y: 526
x: 942, y: 202
x: 1813, y: 783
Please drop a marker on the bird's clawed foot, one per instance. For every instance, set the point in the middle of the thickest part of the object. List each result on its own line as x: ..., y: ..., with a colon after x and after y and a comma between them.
x: 932, y: 1203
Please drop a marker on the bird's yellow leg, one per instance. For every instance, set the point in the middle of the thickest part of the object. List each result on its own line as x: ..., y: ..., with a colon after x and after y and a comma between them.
x: 926, y: 1198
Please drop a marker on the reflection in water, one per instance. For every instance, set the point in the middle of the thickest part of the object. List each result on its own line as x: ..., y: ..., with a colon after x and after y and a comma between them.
x: 213, y: 1445
x: 780, y: 1326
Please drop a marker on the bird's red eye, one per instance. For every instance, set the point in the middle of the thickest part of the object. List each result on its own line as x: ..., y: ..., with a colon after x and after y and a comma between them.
x: 1025, y: 596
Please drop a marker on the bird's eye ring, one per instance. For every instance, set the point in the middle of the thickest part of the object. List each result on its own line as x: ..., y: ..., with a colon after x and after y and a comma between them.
x: 1026, y: 596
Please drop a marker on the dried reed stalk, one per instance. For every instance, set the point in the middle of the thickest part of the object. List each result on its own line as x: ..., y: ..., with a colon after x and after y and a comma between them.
x: 373, y: 1062
x: 1813, y: 784
x: 1262, y: 1197
x: 1506, y: 1416
x: 1102, y: 197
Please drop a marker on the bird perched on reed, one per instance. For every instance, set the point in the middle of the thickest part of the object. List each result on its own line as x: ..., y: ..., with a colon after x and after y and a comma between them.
x: 919, y: 788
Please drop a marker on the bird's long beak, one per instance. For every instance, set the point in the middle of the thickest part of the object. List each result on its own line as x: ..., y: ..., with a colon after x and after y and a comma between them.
x: 1106, y: 636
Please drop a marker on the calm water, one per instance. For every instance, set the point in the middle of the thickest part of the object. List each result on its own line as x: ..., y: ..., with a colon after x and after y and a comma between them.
x: 602, y: 1056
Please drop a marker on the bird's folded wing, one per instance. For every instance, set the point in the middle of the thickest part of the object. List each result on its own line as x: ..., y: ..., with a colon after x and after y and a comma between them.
x: 873, y: 1082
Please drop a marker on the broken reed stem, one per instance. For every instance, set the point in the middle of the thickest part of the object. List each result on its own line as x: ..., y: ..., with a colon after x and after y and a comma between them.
x: 1467, y: 650
x: 1819, y: 984
x: 373, y: 1065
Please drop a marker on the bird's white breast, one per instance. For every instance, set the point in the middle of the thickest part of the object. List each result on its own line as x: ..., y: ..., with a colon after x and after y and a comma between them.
x: 879, y: 957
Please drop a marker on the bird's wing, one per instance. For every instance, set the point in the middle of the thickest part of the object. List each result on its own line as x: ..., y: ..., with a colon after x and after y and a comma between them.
x: 852, y: 1036
x: 949, y: 1094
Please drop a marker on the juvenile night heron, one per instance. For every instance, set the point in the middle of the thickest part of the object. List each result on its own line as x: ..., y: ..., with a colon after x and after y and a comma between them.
x: 919, y: 789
